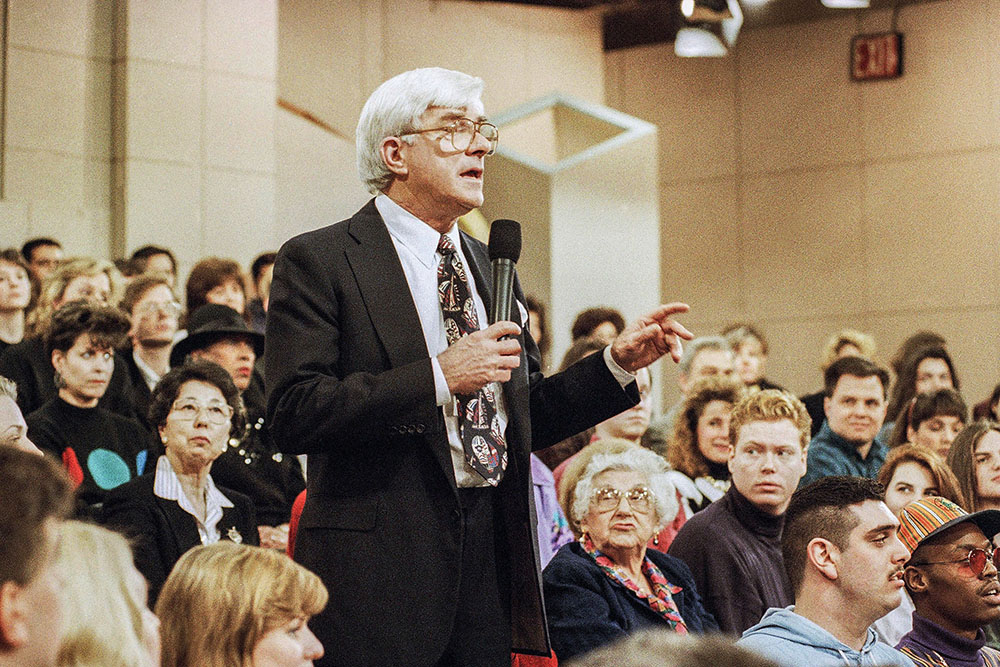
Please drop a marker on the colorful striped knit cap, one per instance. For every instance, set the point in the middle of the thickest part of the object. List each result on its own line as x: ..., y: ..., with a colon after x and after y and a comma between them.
x: 930, y: 516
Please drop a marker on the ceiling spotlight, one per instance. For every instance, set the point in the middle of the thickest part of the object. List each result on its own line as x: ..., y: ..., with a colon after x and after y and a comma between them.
x: 845, y: 4
x: 711, y: 28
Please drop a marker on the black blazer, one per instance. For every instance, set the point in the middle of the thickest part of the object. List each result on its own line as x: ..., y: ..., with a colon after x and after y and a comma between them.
x: 350, y: 383
x: 587, y: 609
x: 160, y: 531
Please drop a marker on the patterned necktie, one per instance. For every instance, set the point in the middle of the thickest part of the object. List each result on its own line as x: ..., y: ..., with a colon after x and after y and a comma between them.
x: 478, y: 423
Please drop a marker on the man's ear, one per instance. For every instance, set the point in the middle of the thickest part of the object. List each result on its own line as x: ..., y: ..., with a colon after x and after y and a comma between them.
x: 915, y: 579
x: 13, y: 629
x: 824, y: 556
x: 392, y: 151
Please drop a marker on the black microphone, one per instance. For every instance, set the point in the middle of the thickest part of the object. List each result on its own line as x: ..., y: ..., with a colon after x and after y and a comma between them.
x: 505, y: 249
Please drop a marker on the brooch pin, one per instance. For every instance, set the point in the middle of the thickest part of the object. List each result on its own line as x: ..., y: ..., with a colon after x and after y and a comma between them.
x: 234, y: 535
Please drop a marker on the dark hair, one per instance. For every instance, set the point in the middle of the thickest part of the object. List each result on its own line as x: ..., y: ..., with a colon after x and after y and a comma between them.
x: 140, y: 258
x: 262, y: 261
x: 166, y: 390
x: 137, y: 288
x: 105, y: 325
x: 738, y: 332
x: 856, y: 366
x: 683, y: 453
x: 919, y: 340
x: 992, y: 402
x: 906, y: 381
x: 32, y: 489
x: 544, y: 337
x: 922, y: 407
x: 28, y: 249
x: 591, y: 318
x: 208, y: 274
x: 962, y: 459
x: 580, y: 348
x: 12, y: 256
x: 821, y: 509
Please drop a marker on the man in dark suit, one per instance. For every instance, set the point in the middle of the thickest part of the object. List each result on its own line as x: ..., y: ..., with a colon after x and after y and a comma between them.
x: 423, y: 534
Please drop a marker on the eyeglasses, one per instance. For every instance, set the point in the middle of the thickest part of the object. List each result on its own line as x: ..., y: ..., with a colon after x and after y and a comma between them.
x: 608, y: 498
x: 463, y: 131
x: 171, y: 308
x: 976, y: 559
x: 216, y: 412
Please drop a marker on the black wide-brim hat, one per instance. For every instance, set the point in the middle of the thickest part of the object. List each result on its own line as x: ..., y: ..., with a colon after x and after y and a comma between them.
x: 210, y: 323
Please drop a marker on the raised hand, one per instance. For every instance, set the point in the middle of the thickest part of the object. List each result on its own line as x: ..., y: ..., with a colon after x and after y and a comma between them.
x: 650, y: 337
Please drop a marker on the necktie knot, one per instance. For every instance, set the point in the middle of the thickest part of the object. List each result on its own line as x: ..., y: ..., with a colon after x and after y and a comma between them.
x: 445, y: 246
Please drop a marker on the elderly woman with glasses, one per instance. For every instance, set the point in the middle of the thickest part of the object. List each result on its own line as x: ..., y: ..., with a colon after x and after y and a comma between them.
x: 608, y: 585
x: 196, y: 409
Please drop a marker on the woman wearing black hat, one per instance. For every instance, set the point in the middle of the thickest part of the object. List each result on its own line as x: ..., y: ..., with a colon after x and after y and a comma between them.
x: 252, y: 465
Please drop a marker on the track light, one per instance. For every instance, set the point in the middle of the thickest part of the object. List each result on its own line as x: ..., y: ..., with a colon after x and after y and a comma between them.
x: 846, y: 4
x: 711, y: 28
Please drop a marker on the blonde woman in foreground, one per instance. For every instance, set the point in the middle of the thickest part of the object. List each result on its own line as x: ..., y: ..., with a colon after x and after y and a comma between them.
x: 235, y: 605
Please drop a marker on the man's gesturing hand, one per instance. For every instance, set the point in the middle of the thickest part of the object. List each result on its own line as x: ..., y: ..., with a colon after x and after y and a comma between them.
x: 650, y: 337
x: 473, y: 361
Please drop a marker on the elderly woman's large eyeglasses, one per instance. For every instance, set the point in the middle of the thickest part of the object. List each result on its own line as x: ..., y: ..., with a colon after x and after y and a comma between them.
x: 608, y: 498
x: 976, y: 559
x: 463, y: 131
x: 216, y: 412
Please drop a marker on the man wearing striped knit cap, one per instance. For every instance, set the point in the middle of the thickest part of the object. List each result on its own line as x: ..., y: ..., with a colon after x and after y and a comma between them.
x: 952, y: 579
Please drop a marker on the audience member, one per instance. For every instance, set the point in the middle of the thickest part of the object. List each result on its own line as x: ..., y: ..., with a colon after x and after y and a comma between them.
x: 699, y: 447
x: 35, y: 497
x: 104, y: 600
x: 844, y: 343
x: 15, y: 296
x: 913, y: 343
x: 854, y: 407
x: 233, y: 604
x: 733, y: 546
x: 99, y: 448
x: 609, y: 585
x: 927, y: 369
x: 932, y: 420
x: 845, y: 562
x: 30, y: 366
x: 974, y: 457
x: 910, y: 473
x: 261, y: 271
x: 602, y: 322
x: 988, y: 409
x: 13, y: 430
x: 952, y: 577
x: 662, y: 648
x: 252, y: 464
x: 216, y: 280
x: 154, y: 311
x: 749, y: 354
x: 538, y: 327
x: 157, y: 261
x: 196, y: 409
x: 43, y: 256
x: 706, y: 356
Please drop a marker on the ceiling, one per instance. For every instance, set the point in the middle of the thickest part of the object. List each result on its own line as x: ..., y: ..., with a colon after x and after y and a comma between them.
x: 629, y: 23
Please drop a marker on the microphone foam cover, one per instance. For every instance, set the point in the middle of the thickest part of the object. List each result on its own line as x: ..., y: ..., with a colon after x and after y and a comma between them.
x: 505, y: 240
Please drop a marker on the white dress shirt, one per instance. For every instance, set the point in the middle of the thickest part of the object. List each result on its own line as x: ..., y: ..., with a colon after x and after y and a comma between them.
x: 167, y: 486
x: 416, y: 245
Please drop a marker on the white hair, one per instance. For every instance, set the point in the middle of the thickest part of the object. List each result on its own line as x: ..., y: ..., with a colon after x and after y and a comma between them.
x: 395, y: 107
x: 650, y: 464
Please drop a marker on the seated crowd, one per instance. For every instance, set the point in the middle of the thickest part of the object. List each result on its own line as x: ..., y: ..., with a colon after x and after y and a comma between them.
x: 853, y: 526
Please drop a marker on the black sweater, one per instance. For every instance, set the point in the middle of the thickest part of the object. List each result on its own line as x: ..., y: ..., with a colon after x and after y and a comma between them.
x: 734, y: 552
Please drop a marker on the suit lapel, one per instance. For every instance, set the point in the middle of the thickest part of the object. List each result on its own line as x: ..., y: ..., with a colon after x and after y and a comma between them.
x: 384, y: 288
x: 182, y: 525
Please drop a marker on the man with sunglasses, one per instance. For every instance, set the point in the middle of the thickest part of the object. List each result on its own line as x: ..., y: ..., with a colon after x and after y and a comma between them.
x: 417, y: 417
x: 952, y: 577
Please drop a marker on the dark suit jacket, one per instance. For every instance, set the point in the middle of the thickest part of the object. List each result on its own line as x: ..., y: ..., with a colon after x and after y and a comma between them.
x: 160, y: 531
x: 587, y: 609
x: 350, y: 383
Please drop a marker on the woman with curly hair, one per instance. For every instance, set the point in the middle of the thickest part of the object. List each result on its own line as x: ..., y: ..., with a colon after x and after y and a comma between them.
x: 698, y: 449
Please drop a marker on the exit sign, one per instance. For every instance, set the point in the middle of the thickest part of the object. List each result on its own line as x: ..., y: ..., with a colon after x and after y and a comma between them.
x: 875, y: 57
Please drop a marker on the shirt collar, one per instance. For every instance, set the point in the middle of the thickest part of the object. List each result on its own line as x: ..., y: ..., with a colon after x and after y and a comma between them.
x: 166, y: 485
x: 150, y: 376
x: 416, y: 235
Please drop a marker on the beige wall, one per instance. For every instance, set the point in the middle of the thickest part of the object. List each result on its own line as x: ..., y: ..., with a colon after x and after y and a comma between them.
x: 803, y: 202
